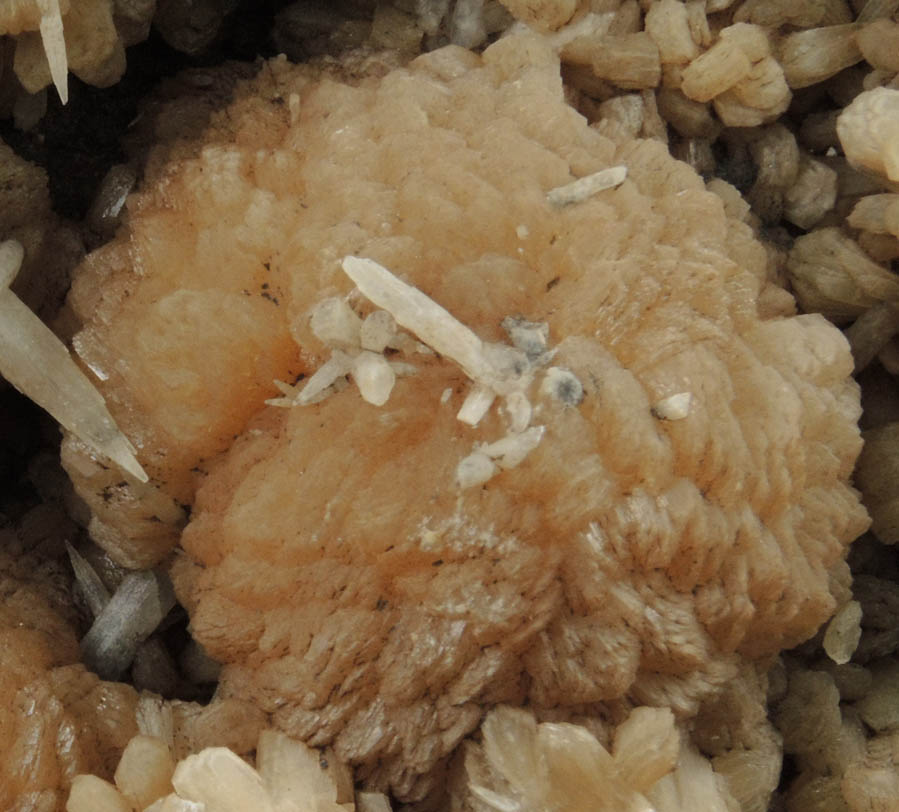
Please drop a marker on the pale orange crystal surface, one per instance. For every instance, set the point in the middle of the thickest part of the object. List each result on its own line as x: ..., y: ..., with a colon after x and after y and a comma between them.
x: 351, y: 589
x: 57, y: 719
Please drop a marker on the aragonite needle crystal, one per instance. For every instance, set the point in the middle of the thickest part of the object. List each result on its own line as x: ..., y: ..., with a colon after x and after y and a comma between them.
x: 333, y: 561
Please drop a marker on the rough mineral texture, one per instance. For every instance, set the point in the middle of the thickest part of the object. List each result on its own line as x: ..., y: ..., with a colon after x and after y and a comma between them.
x: 57, y: 718
x: 351, y: 589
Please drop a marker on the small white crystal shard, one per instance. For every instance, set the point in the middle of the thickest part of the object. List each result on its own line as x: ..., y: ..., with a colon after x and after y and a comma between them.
x: 475, y: 469
x: 843, y: 633
x: 96, y: 595
x: 293, y: 107
x: 374, y: 376
x: 674, y: 407
x: 338, y: 365
x: 476, y: 404
x: 377, y: 330
x: 519, y: 410
x: 420, y: 314
x: 563, y: 385
x: 38, y: 364
x: 579, y: 190
x: 510, y: 450
x: 222, y: 780
x: 335, y: 324
x: 138, y: 606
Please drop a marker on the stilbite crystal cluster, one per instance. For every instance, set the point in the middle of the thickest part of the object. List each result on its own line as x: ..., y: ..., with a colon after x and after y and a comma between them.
x: 352, y: 590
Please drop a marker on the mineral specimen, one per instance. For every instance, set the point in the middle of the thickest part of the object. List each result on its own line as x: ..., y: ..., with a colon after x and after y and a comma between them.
x: 334, y: 562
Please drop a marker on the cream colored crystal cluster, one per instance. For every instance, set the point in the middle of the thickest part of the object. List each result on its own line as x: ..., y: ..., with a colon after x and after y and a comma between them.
x: 713, y: 77
x: 742, y: 60
x: 840, y: 727
x: 687, y: 511
x: 868, y: 128
x: 836, y: 708
x: 652, y: 767
x: 288, y: 776
x: 633, y: 760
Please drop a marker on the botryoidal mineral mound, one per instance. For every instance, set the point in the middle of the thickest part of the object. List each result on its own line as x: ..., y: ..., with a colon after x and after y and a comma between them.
x: 532, y: 443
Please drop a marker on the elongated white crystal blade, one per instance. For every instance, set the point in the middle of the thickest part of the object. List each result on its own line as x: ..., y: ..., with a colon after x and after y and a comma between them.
x: 420, y: 314
x: 582, y: 188
x: 476, y: 404
x: 338, y: 365
x: 96, y: 595
x: 510, y: 450
x: 55, y: 46
x: 39, y: 365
